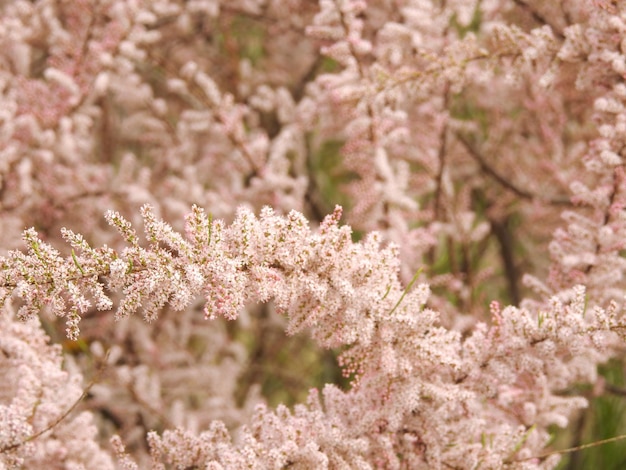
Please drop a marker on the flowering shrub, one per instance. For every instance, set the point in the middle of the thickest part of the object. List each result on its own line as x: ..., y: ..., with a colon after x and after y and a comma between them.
x: 426, y: 197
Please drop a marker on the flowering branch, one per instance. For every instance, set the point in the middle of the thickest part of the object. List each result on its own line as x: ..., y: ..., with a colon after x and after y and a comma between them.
x: 345, y: 293
x: 144, y: 109
x: 311, y: 277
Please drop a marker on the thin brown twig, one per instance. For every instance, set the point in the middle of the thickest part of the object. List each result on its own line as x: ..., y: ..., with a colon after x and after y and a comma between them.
x: 576, y: 448
x: 539, y: 18
x: 615, y: 390
x: 443, y: 145
x: 475, y: 154
x: 505, y: 239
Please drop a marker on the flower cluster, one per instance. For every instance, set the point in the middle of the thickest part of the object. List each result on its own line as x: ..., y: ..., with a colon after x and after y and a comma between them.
x: 476, y: 148
x: 407, y: 368
x: 36, y: 397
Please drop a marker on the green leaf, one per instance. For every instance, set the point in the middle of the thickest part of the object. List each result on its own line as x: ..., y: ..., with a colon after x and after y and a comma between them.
x: 80, y: 268
x: 406, y: 290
